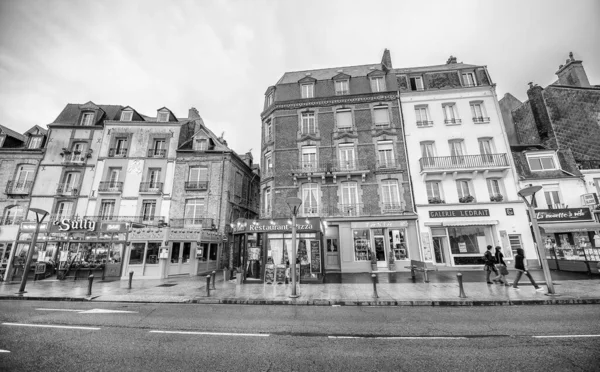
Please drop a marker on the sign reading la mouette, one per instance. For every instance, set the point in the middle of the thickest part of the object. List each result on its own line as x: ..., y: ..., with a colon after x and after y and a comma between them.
x: 460, y: 213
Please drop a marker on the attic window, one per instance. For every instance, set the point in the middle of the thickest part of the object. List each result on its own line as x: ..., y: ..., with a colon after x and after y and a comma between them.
x: 541, y: 162
x: 201, y: 144
x: 163, y: 117
x: 2, y: 138
x: 35, y: 142
x: 126, y: 115
x: 87, y: 119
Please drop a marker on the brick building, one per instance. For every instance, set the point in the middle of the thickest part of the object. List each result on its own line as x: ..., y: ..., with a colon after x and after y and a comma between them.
x: 333, y: 138
x: 20, y: 156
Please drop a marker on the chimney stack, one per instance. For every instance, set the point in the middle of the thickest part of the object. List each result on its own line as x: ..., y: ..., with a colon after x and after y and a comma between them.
x: 386, y: 60
x: 193, y: 113
x: 572, y: 73
x: 451, y: 60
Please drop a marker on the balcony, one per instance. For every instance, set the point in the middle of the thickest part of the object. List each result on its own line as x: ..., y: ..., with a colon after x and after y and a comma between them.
x: 147, y: 220
x: 383, y: 164
x: 464, y: 162
x: 194, y: 222
x: 424, y: 123
x: 157, y: 153
x: 196, y: 186
x: 331, y: 168
x: 74, y: 158
x: 18, y: 187
x: 66, y: 189
x: 481, y: 119
x: 110, y: 186
x: 452, y: 121
x: 11, y: 220
x: 392, y: 208
x: 117, y: 153
x: 151, y: 187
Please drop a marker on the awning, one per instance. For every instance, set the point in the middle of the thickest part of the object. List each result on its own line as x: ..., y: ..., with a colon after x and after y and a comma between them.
x: 563, y: 227
x: 470, y: 223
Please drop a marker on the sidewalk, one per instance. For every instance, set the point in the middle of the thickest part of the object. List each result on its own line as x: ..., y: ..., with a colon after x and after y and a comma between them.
x: 348, y: 289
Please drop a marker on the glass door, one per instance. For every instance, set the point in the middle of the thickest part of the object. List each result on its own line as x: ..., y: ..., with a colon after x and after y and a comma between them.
x: 438, y: 250
x: 179, y: 262
x: 380, y: 247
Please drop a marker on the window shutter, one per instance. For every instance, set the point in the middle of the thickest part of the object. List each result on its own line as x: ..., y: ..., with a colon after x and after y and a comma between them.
x: 382, y: 116
x: 344, y: 119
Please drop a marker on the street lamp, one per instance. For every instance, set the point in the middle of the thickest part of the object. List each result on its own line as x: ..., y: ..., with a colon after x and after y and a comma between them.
x: 294, y: 204
x: 39, y: 221
x: 536, y: 231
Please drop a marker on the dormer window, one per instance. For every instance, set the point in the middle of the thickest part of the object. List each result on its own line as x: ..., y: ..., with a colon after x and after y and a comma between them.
x: 127, y: 115
x: 416, y: 83
x: 35, y: 142
x: 377, y: 84
x: 200, y: 144
x: 269, y: 99
x: 308, y: 90
x: 87, y: 119
x: 542, y: 162
x: 163, y: 116
x: 2, y: 138
x: 341, y: 87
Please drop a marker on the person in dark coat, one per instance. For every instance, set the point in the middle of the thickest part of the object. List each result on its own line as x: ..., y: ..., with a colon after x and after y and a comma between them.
x: 521, y: 268
x: 502, y: 268
x: 489, y: 265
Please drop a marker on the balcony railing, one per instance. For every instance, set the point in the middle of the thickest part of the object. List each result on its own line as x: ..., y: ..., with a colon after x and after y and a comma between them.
x: 382, y: 125
x: 387, y: 164
x: 67, y: 189
x: 464, y: 162
x: 452, y: 121
x: 194, y: 222
x: 481, y: 119
x: 424, y: 123
x: 332, y: 166
x: 154, y: 187
x: 11, y: 221
x: 196, y: 185
x: 74, y: 158
x: 588, y: 164
x: 558, y: 206
x: 157, y: 153
x: 117, y: 153
x: 391, y: 208
x: 18, y: 187
x: 152, y: 220
x: 345, y: 129
x: 110, y: 186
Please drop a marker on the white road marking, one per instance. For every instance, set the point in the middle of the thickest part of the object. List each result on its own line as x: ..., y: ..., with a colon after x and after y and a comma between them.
x: 565, y: 336
x: 4, y: 351
x: 92, y: 311
x: 42, y: 309
x: 51, y: 326
x: 214, y: 333
x: 404, y: 337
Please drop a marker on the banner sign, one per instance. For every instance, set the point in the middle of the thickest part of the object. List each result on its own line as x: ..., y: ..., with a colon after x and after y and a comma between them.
x: 30, y: 226
x: 311, y: 224
x: 67, y: 224
x: 567, y: 214
x: 460, y: 213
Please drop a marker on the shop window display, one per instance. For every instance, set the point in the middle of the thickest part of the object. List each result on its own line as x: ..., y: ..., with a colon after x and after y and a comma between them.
x: 398, y: 244
x: 308, y: 253
x: 152, y: 253
x: 362, y: 244
x: 137, y: 253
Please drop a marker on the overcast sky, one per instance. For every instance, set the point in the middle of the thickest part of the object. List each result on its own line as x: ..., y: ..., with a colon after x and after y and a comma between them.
x: 220, y: 56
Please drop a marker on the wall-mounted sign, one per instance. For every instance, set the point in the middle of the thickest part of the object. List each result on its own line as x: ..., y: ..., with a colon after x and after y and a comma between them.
x: 589, y: 199
x: 509, y: 211
x: 380, y: 224
x: 113, y: 227
x: 67, y: 224
x: 460, y: 213
x: 30, y: 226
x: 311, y: 224
x: 567, y: 214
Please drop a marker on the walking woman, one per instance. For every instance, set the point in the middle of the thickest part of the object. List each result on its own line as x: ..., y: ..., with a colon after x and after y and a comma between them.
x: 521, y: 268
x: 502, y: 268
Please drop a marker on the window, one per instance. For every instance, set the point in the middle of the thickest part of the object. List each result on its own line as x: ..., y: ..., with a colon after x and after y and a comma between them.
x: 377, y: 84
x: 381, y: 116
x: 24, y: 177
x: 434, y: 192
x: 113, y: 176
x: 69, y: 185
x: 450, y: 114
x: 120, y: 146
x: 159, y: 148
x: 362, y: 244
x: 462, y: 187
x: 308, y: 90
x: 515, y: 243
x: 35, y: 142
x: 153, y: 178
x: 456, y: 151
x: 486, y: 149
x: 341, y: 87
x: 194, y: 209
x: 309, y: 157
x: 541, y: 162
x: 385, y: 156
x: 163, y: 116
x: 64, y: 209
x: 422, y: 114
x: 469, y: 240
x: 198, y: 178
x: 468, y: 79
x: 343, y: 119
x: 2, y: 138
x: 87, y: 118
x: 12, y: 215
x: 201, y: 144
x: 148, y: 210
x: 107, y: 209
x: 390, y: 195
x: 308, y: 123
x: 416, y: 83
x: 552, y: 196
x: 269, y: 99
x: 268, y: 131
x: 494, y: 186
x: 347, y: 160
x: 126, y: 115
x: 310, y: 199
x: 152, y: 253
x: 349, y: 205
x: 428, y: 154
x: 267, y: 194
x: 479, y: 113
x: 77, y: 149
x: 268, y: 163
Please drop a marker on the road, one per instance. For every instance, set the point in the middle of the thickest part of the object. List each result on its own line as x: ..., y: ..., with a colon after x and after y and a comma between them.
x: 76, y: 336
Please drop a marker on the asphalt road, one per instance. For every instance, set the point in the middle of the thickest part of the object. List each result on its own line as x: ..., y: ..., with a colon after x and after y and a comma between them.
x: 34, y: 336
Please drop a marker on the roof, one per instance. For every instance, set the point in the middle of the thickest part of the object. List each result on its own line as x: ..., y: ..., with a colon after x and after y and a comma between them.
x: 444, y: 67
x: 12, y: 133
x: 328, y: 73
x: 40, y: 129
x: 70, y: 114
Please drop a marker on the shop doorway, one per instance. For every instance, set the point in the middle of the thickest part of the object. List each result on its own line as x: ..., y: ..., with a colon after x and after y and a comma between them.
x: 179, y: 262
x: 439, y: 248
x: 332, y: 254
x: 380, y: 248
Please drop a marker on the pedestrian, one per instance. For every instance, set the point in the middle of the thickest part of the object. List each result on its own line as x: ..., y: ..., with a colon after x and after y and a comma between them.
x: 489, y: 265
x: 501, y: 266
x: 521, y: 268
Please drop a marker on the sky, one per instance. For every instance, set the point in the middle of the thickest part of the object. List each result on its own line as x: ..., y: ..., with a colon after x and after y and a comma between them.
x: 221, y: 56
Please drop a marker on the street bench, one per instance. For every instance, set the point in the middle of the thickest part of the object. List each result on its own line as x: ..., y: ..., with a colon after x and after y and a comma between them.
x: 420, y: 266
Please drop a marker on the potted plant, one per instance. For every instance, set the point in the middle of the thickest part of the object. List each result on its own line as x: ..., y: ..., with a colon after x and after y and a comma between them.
x: 466, y: 199
x: 436, y: 200
x: 373, y: 261
x: 392, y: 261
x: 496, y: 198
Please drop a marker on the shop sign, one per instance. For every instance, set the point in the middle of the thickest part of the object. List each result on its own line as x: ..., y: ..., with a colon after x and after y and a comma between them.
x: 567, y: 214
x: 185, y: 234
x: 30, y: 227
x: 113, y: 227
x: 211, y: 236
x: 280, y: 225
x: 460, y: 213
x: 66, y: 224
x: 589, y: 199
x: 380, y: 224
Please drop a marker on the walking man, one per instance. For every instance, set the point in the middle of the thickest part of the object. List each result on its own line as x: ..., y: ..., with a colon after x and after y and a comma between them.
x: 522, y: 269
x: 489, y: 265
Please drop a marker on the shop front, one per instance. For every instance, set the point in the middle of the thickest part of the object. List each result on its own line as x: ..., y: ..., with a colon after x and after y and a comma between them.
x: 8, y: 235
x: 263, y: 248
x: 193, y: 251
x: 571, y: 239
x: 147, y: 254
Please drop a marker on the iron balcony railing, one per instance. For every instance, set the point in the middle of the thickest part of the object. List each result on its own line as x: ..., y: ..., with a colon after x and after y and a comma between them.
x: 74, y: 158
x: 18, y: 187
x: 117, y: 152
x: 148, y: 220
x: 332, y: 166
x: 352, y: 210
x: 196, y: 185
x: 67, y: 189
x: 345, y: 129
x: 481, y: 119
x: 157, y: 153
x: 382, y: 125
x: 151, y: 187
x: 424, y: 123
x: 392, y: 207
x: 110, y: 186
x: 464, y: 162
x: 387, y: 164
x: 588, y: 164
x: 452, y: 121
x: 11, y: 221
x: 195, y: 222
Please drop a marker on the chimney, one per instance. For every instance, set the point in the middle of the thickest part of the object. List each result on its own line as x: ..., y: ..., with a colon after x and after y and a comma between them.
x: 193, y: 114
x: 451, y: 60
x: 572, y: 73
x: 247, y: 158
x: 386, y: 60
x: 539, y: 111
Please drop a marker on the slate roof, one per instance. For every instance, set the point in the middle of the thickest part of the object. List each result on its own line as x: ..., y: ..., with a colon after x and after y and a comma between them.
x: 40, y: 129
x: 12, y: 133
x: 70, y: 114
x: 568, y: 167
x: 328, y: 73
x: 444, y: 67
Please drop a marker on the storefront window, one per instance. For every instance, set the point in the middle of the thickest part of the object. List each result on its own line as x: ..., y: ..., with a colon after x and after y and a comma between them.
x: 137, y: 253
x: 5, y: 252
x: 115, y: 253
x: 213, y: 252
x: 204, y: 251
x: 398, y: 244
x: 152, y: 253
x: 469, y: 239
x: 362, y: 244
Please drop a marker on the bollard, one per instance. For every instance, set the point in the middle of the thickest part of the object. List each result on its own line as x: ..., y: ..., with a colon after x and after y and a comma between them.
x: 213, y: 279
x: 460, y: 285
x: 208, y: 286
x: 374, y: 278
x: 412, y: 273
x: 425, y: 277
x: 130, y: 278
x: 91, y: 280
x: 225, y: 275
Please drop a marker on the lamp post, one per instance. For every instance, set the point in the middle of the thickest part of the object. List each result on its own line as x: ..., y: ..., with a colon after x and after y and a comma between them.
x: 294, y: 204
x: 31, y: 249
x: 536, y: 231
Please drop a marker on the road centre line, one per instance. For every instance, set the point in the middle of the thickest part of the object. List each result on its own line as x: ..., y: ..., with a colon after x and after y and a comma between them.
x: 565, y: 336
x: 51, y: 326
x: 214, y: 333
x: 401, y: 337
x: 4, y: 351
x: 44, y: 309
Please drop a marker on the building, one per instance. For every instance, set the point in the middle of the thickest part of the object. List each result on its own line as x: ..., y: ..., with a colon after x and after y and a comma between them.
x: 333, y: 138
x: 20, y: 156
x: 556, y: 145
x: 464, y: 182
